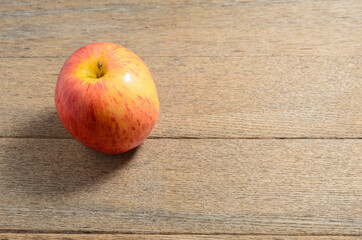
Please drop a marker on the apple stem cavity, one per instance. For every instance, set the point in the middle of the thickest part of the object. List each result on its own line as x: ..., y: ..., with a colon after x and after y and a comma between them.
x: 100, y: 71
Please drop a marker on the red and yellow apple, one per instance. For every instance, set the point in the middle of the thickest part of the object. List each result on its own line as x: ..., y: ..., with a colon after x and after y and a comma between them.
x: 106, y: 98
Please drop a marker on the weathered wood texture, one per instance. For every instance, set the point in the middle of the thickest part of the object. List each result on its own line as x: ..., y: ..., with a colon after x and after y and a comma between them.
x: 183, y: 186
x: 10, y: 236
x: 184, y: 28
x: 295, y: 71
x: 223, y: 70
x: 212, y: 97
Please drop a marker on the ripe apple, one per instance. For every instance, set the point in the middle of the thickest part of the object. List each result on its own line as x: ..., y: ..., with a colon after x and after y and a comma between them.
x: 106, y: 98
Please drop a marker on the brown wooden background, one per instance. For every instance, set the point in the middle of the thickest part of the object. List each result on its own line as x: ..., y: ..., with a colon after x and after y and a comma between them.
x: 259, y: 135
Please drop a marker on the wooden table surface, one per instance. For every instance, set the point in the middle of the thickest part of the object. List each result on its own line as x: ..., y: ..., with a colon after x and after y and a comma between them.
x: 259, y: 135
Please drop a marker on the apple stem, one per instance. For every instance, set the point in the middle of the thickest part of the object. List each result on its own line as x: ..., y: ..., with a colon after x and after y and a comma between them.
x: 100, y: 73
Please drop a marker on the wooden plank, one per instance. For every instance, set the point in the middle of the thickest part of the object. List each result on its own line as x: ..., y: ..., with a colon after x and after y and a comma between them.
x: 14, y: 8
x: 225, y: 28
x: 194, y: 186
x: 211, y: 97
x: 29, y: 236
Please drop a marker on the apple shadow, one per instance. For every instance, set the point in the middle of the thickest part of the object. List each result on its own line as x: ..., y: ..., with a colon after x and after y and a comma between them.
x: 42, y: 124
x: 41, y: 165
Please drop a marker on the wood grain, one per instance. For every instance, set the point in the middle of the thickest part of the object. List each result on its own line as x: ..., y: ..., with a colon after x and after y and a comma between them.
x: 6, y: 236
x: 225, y: 71
x: 183, y: 186
x: 200, y: 28
x: 211, y: 97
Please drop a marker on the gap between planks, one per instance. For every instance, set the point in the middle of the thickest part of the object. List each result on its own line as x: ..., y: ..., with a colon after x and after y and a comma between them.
x: 187, y: 56
x: 191, y: 138
x: 72, y: 232
x: 165, y: 237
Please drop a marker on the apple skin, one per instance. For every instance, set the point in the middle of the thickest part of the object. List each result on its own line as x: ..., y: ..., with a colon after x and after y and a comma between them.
x: 106, y: 98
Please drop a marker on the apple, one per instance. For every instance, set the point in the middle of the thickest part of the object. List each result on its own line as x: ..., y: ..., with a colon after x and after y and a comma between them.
x: 106, y: 98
